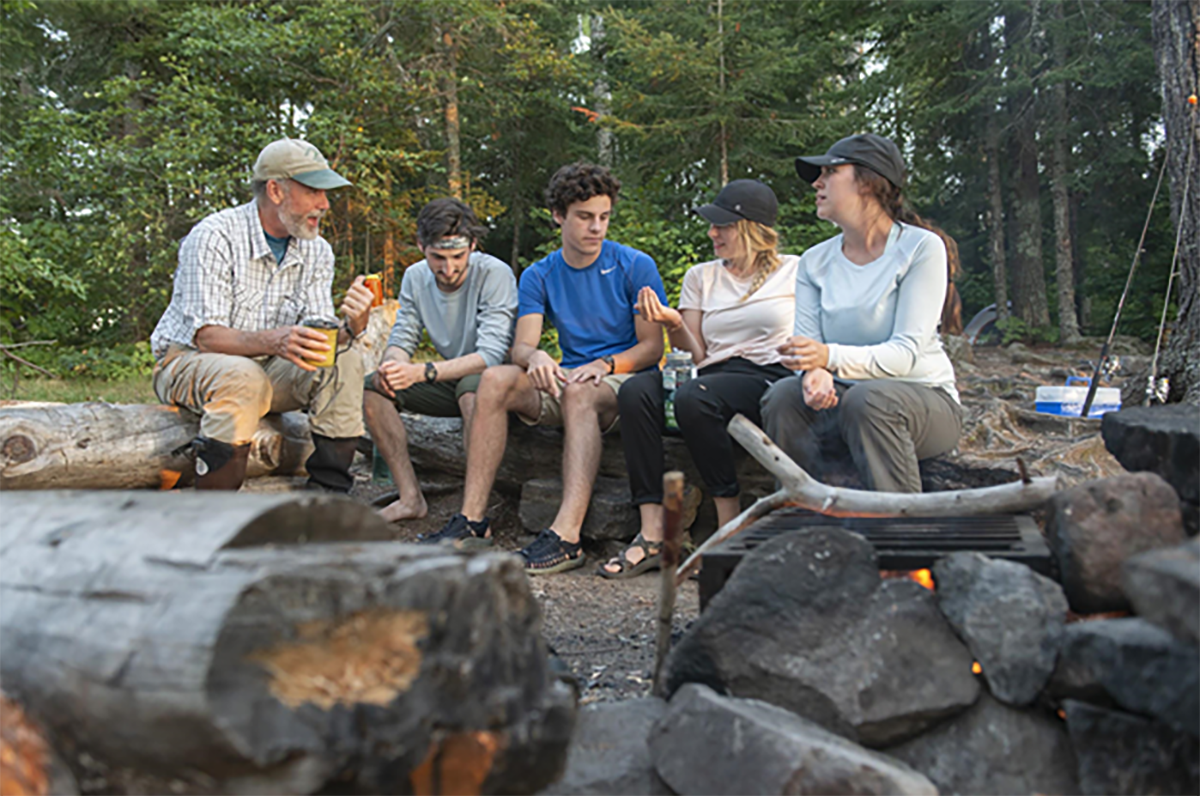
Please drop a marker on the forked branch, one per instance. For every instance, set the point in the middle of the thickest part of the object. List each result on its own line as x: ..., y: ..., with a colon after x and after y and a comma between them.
x: 800, y: 489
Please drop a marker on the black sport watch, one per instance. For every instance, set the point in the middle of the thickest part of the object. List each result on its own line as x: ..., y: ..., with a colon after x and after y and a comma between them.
x: 430, y: 373
x: 612, y: 363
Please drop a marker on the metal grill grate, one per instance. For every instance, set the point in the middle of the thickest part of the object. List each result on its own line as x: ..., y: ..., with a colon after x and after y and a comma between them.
x: 901, y: 543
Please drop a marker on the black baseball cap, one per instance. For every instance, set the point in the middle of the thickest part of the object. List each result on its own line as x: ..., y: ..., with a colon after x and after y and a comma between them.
x: 877, y: 153
x: 742, y: 199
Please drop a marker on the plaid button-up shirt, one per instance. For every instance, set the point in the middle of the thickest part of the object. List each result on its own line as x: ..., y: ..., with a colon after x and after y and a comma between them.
x: 227, y: 276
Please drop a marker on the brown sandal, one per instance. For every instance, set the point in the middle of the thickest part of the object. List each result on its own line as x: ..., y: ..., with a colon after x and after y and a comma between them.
x: 651, y: 559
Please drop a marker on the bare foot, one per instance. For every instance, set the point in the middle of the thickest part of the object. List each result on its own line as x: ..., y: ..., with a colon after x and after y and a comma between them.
x: 413, y: 509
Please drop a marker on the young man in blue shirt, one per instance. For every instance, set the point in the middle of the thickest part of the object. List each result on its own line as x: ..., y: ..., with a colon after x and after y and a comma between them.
x: 587, y: 290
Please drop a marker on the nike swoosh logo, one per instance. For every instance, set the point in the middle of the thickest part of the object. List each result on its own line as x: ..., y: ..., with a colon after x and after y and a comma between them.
x: 609, y: 271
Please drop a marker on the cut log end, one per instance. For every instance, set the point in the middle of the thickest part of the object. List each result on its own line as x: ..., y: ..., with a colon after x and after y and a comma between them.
x: 370, y: 657
x: 24, y: 755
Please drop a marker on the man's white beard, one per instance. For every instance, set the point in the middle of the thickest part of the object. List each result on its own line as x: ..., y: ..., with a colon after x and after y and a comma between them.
x: 297, y: 227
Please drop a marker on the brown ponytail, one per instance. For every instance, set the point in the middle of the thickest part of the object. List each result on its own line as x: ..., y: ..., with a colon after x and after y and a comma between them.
x: 894, y: 204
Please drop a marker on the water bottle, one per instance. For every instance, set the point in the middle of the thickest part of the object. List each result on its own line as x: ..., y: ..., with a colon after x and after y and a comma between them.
x: 677, y: 371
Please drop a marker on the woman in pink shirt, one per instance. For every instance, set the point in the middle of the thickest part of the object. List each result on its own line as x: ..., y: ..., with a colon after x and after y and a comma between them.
x: 734, y: 314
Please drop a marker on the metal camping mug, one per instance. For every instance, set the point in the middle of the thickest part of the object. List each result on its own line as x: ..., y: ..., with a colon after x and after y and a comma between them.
x: 374, y: 283
x: 330, y: 329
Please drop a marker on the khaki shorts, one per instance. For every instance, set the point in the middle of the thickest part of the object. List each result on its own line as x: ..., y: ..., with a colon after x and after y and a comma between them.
x: 550, y: 412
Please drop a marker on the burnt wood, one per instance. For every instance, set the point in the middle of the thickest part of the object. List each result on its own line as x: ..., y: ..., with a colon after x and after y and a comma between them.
x: 271, y: 643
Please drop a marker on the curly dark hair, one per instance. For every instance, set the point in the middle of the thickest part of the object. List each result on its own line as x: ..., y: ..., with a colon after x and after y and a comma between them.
x: 579, y: 182
x: 447, y: 217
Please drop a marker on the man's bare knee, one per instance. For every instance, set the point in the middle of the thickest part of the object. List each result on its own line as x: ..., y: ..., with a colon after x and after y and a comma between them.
x: 374, y: 404
x: 466, y: 404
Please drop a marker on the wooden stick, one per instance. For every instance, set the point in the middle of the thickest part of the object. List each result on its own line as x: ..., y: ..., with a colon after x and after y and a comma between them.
x: 28, y: 343
x: 26, y: 362
x: 672, y: 539
x: 801, y: 489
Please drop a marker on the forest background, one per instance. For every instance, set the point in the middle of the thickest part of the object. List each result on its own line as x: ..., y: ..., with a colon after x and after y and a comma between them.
x: 1033, y: 130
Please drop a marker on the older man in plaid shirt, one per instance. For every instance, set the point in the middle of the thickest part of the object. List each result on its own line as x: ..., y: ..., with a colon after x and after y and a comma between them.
x: 232, y: 346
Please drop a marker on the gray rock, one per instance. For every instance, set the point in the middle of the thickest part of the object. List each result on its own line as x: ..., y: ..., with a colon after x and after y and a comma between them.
x: 1010, y: 617
x: 1164, y: 588
x: 1095, y: 526
x: 1121, y: 753
x: 1136, y: 665
x: 1160, y: 439
x: 708, y: 744
x: 994, y: 749
x: 611, y: 514
x: 806, y: 623
x: 610, y: 753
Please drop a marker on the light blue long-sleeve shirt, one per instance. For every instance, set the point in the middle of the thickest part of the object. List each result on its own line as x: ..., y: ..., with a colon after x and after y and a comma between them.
x: 880, y: 320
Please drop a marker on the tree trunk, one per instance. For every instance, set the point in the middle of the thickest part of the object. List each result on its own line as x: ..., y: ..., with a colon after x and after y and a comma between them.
x: 1068, y: 325
x: 111, y: 446
x: 450, y: 111
x: 1177, y: 51
x: 721, y: 86
x: 193, y: 634
x: 602, y: 93
x: 1028, y: 277
x: 995, y: 224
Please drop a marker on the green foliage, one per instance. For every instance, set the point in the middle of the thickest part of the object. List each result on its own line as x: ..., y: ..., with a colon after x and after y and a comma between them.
x: 36, y: 292
x: 123, y: 122
x: 115, y: 363
x: 1014, y: 330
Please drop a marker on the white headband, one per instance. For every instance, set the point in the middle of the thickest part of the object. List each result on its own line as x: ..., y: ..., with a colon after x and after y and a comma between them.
x: 451, y: 242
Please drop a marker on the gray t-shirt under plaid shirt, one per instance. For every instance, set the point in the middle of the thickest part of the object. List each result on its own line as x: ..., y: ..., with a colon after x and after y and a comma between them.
x: 478, y: 318
x: 227, y: 276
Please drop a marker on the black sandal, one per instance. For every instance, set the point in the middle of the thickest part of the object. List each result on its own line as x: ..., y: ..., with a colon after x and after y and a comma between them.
x: 550, y: 553
x: 651, y: 559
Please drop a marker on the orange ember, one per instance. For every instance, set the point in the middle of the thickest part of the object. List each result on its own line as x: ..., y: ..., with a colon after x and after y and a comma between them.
x: 976, y: 668
x: 922, y: 576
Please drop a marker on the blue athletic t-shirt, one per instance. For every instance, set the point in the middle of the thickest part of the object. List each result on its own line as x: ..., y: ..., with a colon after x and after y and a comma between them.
x: 592, y: 308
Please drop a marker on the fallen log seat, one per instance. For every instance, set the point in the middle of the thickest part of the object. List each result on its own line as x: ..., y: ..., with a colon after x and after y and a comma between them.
x: 273, y: 643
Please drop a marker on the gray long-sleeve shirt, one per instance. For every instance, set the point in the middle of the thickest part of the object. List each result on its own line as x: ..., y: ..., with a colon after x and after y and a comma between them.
x: 478, y: 318
x: 880, y: 320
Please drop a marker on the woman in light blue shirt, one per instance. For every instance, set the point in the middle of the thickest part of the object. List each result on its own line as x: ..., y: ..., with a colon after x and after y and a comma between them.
x: 872, y: 376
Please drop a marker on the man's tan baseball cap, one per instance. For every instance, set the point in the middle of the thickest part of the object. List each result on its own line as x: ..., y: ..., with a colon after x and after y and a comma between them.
x: 293, y: 159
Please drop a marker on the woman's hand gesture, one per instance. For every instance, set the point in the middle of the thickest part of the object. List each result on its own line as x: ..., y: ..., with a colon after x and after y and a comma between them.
x: 650, y: 308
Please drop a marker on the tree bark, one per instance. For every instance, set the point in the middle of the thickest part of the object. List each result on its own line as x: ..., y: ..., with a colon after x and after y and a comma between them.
x: 605, y: 145
x: 995, y: 222
x: 1068, y: 324
x: 450, y: 112
x: 1028, y: 276
x: 1176, y: 25
x: 190, y: 633
x: 110, y: 446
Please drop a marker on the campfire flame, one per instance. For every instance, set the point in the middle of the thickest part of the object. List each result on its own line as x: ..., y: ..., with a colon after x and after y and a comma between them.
x: 922, y: 576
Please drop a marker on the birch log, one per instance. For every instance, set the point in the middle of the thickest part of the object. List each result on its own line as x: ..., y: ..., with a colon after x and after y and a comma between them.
x: 156, y: 632
x: 100, y: 445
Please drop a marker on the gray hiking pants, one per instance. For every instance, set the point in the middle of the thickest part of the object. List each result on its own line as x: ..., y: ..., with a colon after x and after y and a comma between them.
x: 887, y: 425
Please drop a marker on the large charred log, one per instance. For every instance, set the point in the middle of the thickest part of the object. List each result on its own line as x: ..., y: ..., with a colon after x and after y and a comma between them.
x: 257, y: 643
